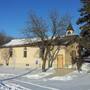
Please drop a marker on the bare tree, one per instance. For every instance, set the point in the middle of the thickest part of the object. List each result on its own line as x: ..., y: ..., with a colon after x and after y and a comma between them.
x: 48, y: 32
x: 5, y: 55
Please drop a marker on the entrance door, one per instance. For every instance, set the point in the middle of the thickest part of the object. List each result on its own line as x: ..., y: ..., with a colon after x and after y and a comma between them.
x: 60, y: 61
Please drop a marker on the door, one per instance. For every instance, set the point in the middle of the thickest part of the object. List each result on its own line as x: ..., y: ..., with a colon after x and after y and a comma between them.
x: 60, y: 61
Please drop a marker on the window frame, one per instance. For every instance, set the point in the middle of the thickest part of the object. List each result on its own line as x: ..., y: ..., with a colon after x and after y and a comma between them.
x: 25, y: 52
x: 11, y: 51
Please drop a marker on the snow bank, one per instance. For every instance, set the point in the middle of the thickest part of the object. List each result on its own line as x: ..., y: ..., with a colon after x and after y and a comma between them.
x: 38, y: 76
x: 86, y: 67
x: 69, y: 76
x: 3, y: 75
x: 51, y: 69
x: 64, y: 78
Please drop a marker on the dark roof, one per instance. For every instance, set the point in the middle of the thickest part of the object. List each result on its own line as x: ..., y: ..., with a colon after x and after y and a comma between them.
x: 67, y: 40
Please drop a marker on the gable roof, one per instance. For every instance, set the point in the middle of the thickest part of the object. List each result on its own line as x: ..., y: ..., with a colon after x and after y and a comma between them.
x: 66, y: 40
x: 21, y: 42
x: 16, y: 42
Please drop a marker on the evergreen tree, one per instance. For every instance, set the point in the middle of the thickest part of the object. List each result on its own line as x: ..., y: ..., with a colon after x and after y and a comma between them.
x: 84, y: 19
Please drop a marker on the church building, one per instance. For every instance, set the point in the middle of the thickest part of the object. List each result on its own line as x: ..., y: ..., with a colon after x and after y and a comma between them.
x: 24, y: 54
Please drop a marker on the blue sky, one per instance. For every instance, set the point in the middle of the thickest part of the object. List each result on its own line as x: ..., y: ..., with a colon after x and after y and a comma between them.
x: 14, y: 13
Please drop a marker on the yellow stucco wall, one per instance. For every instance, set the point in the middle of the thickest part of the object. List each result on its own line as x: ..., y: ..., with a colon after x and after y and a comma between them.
x: 18, y: 59
x: 67, y: 54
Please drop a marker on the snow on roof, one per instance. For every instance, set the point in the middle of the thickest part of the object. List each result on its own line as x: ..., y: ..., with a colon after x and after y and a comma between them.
x: 18, y: 42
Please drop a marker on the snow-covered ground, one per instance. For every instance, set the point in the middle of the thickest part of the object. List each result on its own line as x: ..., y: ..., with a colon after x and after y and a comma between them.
x: 69, y: 76
x: 37, y: 76
x: 86, y: 67
x: 74, y: 74
x: 10, y: 86
x: 40, y: 74
x: 4, y: 75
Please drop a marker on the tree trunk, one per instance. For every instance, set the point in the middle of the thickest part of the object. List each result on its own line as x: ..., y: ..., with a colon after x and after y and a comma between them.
x: 79, y: 64
x: 51, y: 63
x: 44, y: 65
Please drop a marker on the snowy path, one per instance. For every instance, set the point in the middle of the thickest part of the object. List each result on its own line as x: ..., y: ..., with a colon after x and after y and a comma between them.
x: 5, y: 77
x: 32, y: 86
x: 12, y: 82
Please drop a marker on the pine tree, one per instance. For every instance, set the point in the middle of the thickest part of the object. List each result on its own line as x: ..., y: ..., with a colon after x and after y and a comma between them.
x: 84, y: 20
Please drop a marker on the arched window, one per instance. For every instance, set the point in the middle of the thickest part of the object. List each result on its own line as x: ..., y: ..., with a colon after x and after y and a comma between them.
x: 25, y: 52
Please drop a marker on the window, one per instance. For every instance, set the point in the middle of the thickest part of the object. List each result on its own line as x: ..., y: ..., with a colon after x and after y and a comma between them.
x: 69, y: 33
x: 25, y: 52
x: 27, y: 64
x: 11, y: 52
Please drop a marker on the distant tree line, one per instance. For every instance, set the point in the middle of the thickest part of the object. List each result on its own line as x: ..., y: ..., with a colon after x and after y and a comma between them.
x: 4, y: 38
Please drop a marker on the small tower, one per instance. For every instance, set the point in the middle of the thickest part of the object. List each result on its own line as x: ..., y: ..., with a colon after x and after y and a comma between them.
x: 70, y: 30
